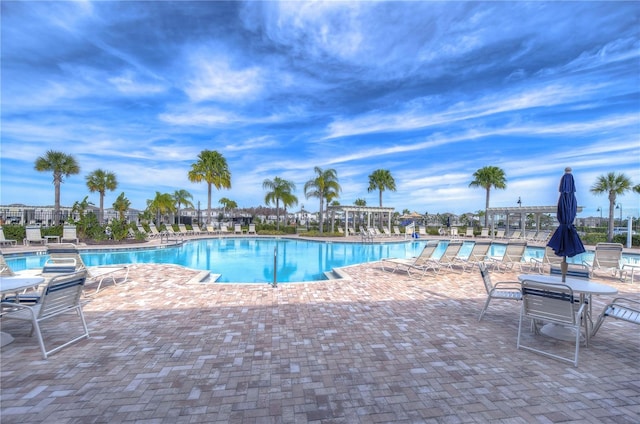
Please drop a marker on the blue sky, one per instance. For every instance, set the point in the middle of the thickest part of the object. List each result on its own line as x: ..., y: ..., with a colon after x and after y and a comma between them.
x: 430, y: 91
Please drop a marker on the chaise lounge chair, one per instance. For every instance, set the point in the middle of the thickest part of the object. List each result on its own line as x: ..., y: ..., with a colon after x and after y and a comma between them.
x: 6, y: 242
x: 607, y: 257
x: 69, y: 233
x: 423, y: 262
x: 34, y: 235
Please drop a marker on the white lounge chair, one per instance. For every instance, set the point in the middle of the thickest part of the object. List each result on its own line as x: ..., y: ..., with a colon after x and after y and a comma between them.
x: 513, y: 255
x: 477, y: 256
x: 237, y: 229
x: 95, y: 274
x: 423, y: 262
x: 252, y: 229
x: 469, y: 232
x: 34, y: 235
x: 607, y: 257
x: 396, y: 231
x: 69, y: 233
x: 6, y: 242
x: 621, y: 308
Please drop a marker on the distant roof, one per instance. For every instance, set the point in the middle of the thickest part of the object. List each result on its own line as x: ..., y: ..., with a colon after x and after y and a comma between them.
x: 527, y: 209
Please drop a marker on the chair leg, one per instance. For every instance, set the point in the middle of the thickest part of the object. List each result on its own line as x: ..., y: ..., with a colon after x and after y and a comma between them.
x: 486, y: 305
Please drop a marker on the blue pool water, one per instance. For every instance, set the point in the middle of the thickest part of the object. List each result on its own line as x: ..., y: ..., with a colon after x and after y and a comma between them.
x: 251, y: 260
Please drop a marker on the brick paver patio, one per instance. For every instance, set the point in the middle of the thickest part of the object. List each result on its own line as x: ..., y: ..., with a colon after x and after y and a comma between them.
x: 381, y: 348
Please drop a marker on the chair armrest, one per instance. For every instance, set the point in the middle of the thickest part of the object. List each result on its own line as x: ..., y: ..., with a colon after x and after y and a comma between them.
x: 508, y: 284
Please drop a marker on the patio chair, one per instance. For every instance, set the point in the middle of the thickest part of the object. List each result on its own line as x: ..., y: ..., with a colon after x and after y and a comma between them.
x: 484, y: 233
x: 477, y: 256
x: 450, y: 257
x: 513, y: 255
x: 607, y: 257
x: 183, y: 230
x: 154, y: 231
x: 548, y: 259
x: 69, y: 233
x: 396, y: 231
x: 34, y: 235
x: 509, y: 290
x: 6, y: 242
x: 423, y: 262
x: 499, y: 234
x: 515, y: 235
x: 237, y: 229
x: 60, y: 296
x: 469, y: 232
x: 386, y: 231
x: 252, y: 229
x: 550, y: 303
x: 623, y: 309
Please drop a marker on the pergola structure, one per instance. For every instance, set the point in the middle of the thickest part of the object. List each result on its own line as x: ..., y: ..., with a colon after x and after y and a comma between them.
x: 520, y: 213
x: 369, y: 210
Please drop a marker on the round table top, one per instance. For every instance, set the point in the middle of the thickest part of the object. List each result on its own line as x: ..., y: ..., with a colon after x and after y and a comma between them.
x: 11, y: 284
x: 577, y: 284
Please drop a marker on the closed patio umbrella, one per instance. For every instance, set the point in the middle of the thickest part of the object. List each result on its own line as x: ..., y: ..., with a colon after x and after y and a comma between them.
x: 565, y: 241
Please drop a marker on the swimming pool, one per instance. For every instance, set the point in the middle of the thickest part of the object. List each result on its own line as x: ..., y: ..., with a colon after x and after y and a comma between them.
x: 251, y: 260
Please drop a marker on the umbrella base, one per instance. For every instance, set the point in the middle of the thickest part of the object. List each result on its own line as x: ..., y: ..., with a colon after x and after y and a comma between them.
x: 560, y: 332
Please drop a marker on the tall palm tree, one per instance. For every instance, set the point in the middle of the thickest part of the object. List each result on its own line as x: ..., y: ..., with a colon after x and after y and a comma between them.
x: 101, y: 181
x: 211, y: 168
x: 613, y: 184
x: 487, y: 177
x: 324, y: 186
x: 121, y: 205
x: 381, y: 180
x: 181, y: 197
x: 162, y: 204
x: 62, y: 165
x: 281, y: 190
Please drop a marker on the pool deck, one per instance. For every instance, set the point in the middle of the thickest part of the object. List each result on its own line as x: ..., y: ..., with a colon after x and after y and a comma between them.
x: 381, y: 348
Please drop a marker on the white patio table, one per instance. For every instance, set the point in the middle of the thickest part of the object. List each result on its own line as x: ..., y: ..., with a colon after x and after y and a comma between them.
x: 14, y: 285
x: 585, y: 288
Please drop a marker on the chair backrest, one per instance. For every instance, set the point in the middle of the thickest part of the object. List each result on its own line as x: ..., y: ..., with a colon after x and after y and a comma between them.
x: 571, y: 272
x: 515, y: 249
x: 2, y: 238
x: 486, y: 279
x: 484, y: 232
x: 62, y: 292
x: 237, y: 228
x: 549, y: 302
x: 33, y: 233
x: 5, y: 269
x: 500, y: 234
x: 252, y: 228
x: 607, y: 255
x: 427, y: 252
x: 480, y: 250
x: 452, y: 250
x: 69, y: 232
x: 469, y: 232
x: 550, y: 257
x: 62, y: 252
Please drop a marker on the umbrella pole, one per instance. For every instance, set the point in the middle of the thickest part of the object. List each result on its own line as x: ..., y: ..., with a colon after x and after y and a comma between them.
x: 564, y: 266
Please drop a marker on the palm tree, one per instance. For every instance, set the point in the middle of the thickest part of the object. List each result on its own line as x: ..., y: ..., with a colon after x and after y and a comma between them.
x: 227, y: 204
x: 101, y: 181
x: 121, y: 205
x: 324, y: 186
x: 359, y: 202
x: 613, y: 184
x: 281, y: 189
x: 181, y: 197
x: 62, y: 165
x: 160, y: 205
x: 381, y: 180
x: 211, y: 168
x: 487, y: 177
